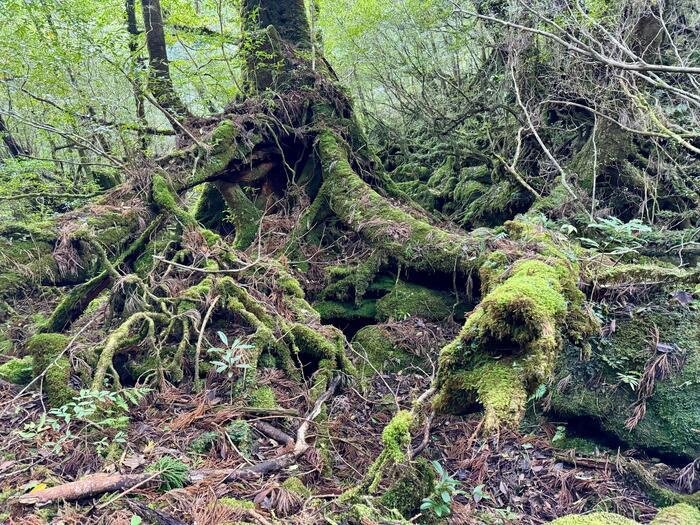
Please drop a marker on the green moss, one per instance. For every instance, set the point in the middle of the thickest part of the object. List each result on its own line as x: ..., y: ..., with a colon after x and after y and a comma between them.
x: 241, y: 435
x: 242, y: 212
x: 383, y: 353
x: 97, y: 303
x: 351, y: 282
x: 407, y: 300
x: 263, y: 397
x: 17, y: 371
x: 597, y: 518
x: 673, y: 412
x: 237, y: 503
x: 414, y: 243
x: 333, y: 310
x: 296, y: 486
x: 406, y: 494
x: 166, y: 199
x: 204, y: 442
x: 520, y: 320
x: 661, y: 495
x: 45, y: 349
x: 396, y: 435
x: 498, y: 386
x: 681, y: 514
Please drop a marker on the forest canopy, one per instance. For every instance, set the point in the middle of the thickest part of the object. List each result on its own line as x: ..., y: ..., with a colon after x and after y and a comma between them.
x: 350, y: 262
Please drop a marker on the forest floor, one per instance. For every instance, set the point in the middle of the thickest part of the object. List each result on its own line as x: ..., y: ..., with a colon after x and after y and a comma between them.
x: 508, y: 477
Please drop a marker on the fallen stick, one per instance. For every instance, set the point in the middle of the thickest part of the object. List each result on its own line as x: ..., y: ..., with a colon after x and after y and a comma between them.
x: 274, y: 433
x: 96, y: 484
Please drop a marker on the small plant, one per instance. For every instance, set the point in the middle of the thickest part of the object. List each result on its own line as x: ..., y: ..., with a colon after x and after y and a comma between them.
x: 617, y: 237
x: 440, y: 501
x: 173, y: 472
x: 232, y: 359
x: 478, y: 493
x: 560, y: 434
x: 99, y: 410
x: 630, y: 378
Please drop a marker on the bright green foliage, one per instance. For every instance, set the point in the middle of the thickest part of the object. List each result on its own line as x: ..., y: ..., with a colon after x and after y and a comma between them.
x: 440, y: 499
x: 18, y: 371
x: 173, y: 472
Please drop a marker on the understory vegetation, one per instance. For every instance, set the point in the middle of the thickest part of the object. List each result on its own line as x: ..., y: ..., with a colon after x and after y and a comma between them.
x: 350, y: 262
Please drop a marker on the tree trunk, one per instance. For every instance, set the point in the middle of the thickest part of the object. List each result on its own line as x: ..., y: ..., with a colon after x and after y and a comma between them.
x: 160, y: 82
x: 14, y: 147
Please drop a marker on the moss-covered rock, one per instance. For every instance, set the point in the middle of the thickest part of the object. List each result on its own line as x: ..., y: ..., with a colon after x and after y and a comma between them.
x: 45, y: 350
x: 18, y: 371
x: 383, y: 353
x: 406, y: 494
x: 680, y: 514
x: 412, y: 300
x: 334, y: 311
x: 511, y: 340
x: 594, y: 391
x: 597, y: 518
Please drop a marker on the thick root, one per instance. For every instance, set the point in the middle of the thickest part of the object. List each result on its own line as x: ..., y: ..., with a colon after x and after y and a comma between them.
x: 531, y: 303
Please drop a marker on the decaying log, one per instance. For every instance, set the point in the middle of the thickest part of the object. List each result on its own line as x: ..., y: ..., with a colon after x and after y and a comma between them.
x: 86, y: 487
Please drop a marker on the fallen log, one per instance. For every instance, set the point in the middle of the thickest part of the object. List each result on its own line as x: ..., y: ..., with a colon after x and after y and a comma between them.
x: 86, y: 487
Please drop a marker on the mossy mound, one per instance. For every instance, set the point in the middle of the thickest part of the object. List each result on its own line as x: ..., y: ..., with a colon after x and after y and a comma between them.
x: 18, y: 371
x: 407, y: 493
x: 46, y: 350
x: 383, y: 352
x: 296, y: 486
x: 680, y: 514
x: 334, y: 311
x: 594, y: 389
x: 263, y: 397
x: 597, y: 518
x: 411, y: 300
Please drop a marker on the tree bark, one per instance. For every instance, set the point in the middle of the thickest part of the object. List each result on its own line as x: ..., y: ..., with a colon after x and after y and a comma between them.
x: 160, y: 81
x: 14, y: 147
